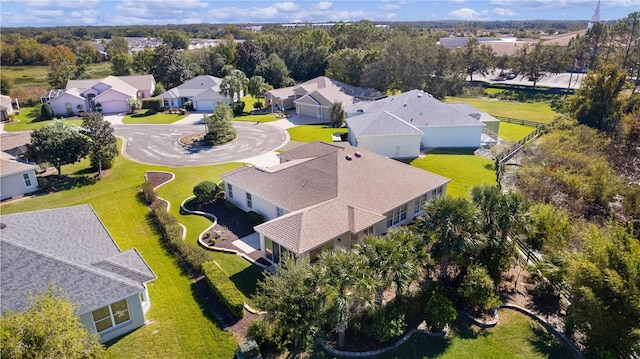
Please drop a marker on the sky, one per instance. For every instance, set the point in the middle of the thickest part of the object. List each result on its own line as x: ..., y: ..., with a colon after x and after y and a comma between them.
x: 41, y: 13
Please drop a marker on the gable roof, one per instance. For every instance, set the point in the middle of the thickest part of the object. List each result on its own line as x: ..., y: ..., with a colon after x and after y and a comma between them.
x: 194, y: 87
x: 417, y: 108
x: 11, y: 165
x: 313, y: 149
x: 350, y: 188
x: 140, y: 82
x: 472, y: 111
x: 381, y: 123
x: 325, y: 91
x: 118, y: 85
x: 74, y: 251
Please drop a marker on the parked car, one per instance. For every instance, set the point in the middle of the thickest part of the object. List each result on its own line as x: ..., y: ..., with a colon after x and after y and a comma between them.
x: 510, y: 76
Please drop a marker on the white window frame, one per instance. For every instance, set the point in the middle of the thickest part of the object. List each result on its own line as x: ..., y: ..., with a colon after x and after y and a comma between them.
x: 112, y: 317
x: 398, y: 215
x: 229, y: 190
x: 27, y: 180
x: 249, y: 200
x: 419, y: 203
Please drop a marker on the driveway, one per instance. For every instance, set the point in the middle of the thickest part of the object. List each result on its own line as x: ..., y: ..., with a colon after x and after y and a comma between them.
x: 158, y: 144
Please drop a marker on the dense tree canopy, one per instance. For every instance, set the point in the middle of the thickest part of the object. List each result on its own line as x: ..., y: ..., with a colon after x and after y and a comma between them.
x: 103, y: 145
x: 62, y: 66
x: 57, y: 144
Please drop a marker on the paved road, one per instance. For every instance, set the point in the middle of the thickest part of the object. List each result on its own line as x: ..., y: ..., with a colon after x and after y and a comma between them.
x: 158, y: 144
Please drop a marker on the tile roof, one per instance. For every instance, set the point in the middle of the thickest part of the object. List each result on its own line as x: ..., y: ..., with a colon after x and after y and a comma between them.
x: 71, y: 248
x: 350, y: 188
x: 417, y: 108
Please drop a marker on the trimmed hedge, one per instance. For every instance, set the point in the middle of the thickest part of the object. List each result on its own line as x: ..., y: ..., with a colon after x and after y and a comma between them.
x: 152, y: 103
x: 224, y: 288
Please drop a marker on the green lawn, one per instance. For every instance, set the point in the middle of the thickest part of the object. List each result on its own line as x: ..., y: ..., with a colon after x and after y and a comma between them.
x: 181, y: 325
x: 532, y: 111
x: 26, y: 121
x: 256, y: 118
x: 143, y: 118
x: 310, y: 133
x: 516, y: 336
x: 514, y: 132
x: 463, y: 168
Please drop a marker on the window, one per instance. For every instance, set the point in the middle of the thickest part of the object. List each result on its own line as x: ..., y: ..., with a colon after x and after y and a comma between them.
x: 368, y: 231
x: 249, y: 201
x: 279, y: 212
x: 397, y: 215
x: 439, y: 191
x: 143, y: 297
x: 230, y: 190
x: 27, y: 180
x: 274, y: 250
x: 419, y: 203
x: 111, y: 315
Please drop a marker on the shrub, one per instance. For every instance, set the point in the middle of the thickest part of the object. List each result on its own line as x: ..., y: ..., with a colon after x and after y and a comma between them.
x: 206, y: 192
x: 259, y: 331
x: 257, y: 105
x: 135, y: 105
x: 255, y: 217
x: 439, y: 312
x: 229, y: 206
x: 388, y: 323
x: 224, y: 288
x: 238, y: 108
x: 477, y: 289
x: 152, y: 103
x: 188, y: 106
x: 148, y: 192
x: 47, y: 112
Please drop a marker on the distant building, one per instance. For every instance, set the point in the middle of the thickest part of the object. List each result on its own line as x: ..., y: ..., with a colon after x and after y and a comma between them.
x: 596, y: 16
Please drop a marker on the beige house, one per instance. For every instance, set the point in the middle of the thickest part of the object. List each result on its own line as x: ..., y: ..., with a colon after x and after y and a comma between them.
x: 323, y: 196
x: 6, y: 108
x: 313, y: 98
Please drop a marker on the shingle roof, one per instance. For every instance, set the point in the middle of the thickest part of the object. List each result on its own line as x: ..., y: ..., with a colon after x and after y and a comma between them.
x: 325, y: 91
x: 10, y: 165
x: 381, y: 123
x: 139, y: 81
x: 313, y: 149
x: 71, y: 248
x: 9, y: 141
x: 472, y: 111
x: 350, y: 188
x: 119, y: 85
x: 417, y: 108
x: 194, y: 87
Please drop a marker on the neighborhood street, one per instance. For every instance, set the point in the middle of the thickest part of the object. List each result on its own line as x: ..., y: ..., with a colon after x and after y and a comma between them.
x: 158, y: 144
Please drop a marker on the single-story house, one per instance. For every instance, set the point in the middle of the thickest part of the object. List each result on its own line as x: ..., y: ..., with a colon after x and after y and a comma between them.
x: 6, y: 108
x: 323, y: 196
x: 400, y: 126
x: 110, y: 95
x: 203, y: 91
x: 313, y: 98
x: 74, y: 252
x: 17, y: 177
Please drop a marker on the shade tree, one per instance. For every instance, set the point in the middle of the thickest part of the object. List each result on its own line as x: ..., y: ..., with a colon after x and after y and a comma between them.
x: 58, y: 144
x: 103, y: 145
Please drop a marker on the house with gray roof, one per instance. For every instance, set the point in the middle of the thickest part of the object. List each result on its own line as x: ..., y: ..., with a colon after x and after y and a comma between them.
x: 109, y: 95
x: 313, y: 98
x: 202, y: 91
x: 17, y: 176
x: 401, y: 126
x: 71, y: 249
x: 323, y: 196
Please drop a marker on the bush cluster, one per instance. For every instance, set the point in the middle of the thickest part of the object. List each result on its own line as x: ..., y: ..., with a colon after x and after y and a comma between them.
x: 224, y: 288
x: 153, y: 103
x: 148, y: 192
x: 255, y: 217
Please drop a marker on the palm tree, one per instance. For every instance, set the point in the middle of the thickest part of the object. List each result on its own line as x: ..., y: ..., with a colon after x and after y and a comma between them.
x: 451, y: 225
x: 396, y: 259
x: 233, y: 85
x: 342, y: 277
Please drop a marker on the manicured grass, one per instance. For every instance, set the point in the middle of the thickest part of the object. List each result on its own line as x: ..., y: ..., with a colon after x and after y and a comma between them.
x: 157, y: 118
x: 516, y: 336
x: 181, y: 324
x: 463, y: 168
x: 27, y: 121
x: 249, y: 101
x: 256, y: 118
x: 514, y: 132
x: 532, y: 111
x: 310, y: 133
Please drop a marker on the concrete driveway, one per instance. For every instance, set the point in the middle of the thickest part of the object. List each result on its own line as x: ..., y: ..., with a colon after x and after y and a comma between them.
x: 158, y: 144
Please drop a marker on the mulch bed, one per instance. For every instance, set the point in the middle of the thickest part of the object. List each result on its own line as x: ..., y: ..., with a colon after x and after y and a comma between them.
x: 158, y: 178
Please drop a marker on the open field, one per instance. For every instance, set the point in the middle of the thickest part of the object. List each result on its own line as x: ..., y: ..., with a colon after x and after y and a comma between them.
x: 463, y: 168
x: 30, y: 82
x: 531, y: 111
x: 180, y: 323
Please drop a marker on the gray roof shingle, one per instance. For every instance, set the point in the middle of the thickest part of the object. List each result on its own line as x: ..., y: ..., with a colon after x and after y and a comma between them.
x: 71, y: 248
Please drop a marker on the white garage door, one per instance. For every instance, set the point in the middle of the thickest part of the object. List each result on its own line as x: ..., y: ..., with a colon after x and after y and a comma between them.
x: 114, y: 107
x: 204, y: 105
x: 308, y: 110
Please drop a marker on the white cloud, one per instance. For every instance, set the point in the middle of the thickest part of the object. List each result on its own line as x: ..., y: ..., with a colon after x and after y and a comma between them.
x: 466, y: 13
x: 389, y: 7
x: 458, y: 2
x: 324, y: 5
x: 504, y: 12
x: 286, y: 6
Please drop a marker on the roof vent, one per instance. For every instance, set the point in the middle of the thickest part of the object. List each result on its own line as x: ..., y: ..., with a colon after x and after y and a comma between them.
x: 419, y: 95
x: 348, y: 157
x: 3, y: 226
x: 357, y: 154
x: 405, y: 105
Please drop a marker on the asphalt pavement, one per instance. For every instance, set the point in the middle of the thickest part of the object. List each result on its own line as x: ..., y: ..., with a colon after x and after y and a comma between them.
x: 159, y: 145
